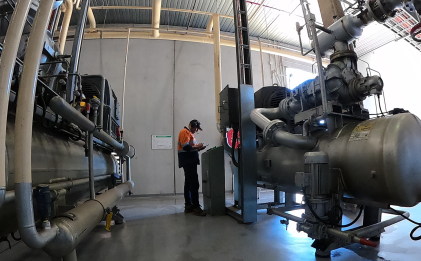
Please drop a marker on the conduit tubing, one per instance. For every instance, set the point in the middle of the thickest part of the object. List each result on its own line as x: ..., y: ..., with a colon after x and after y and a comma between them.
x: 67, y: 8
x: 261, y: 117
x: 64, y: 109
x: 7, y: 65
x: 23, y: 132
x: 86, y: 216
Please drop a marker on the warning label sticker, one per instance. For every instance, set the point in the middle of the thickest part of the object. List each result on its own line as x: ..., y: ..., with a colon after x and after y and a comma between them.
x: 361, y: 131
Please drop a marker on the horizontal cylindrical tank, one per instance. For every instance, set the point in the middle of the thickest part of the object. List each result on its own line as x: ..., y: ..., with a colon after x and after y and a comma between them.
x: 378, y: 160
x: 55, y: 158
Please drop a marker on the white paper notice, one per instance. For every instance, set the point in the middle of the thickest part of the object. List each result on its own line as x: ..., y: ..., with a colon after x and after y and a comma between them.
x: 161, y: 142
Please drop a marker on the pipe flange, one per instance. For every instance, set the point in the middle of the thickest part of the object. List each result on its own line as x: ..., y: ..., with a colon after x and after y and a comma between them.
x: 270, y: 129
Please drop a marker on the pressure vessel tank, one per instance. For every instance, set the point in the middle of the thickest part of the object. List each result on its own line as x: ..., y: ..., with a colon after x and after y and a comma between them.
x: 377, y: 160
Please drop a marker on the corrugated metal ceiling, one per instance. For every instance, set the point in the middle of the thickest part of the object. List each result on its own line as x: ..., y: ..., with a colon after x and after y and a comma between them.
x: 275, y: 20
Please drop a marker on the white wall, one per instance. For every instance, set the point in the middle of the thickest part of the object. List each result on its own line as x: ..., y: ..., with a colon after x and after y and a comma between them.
x: 399, y: 66
x: 168, y: 84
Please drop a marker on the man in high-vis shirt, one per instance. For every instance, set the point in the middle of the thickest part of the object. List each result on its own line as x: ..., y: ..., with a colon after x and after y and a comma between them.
x: 188, y: 159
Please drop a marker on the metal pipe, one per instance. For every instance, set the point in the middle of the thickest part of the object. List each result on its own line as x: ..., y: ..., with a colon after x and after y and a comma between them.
x: 210, y: 25
x: 91, y: 18
x: 293, y: 141
x: 7, y: 65
x: 217, y: 62
x: 23, y: 132
x: 78, y: 222
x: 312, y: 25
x: 67, y: 8
x: 273, y: 130
x: 77, y: 45
x: 64, y: 109
x: 156, y: 17
x: 91, y: 165
x: 362, y: 232
x: 10, y: 195
x: 285, y: 215
x: 124, y: 80
x: 128, y: 169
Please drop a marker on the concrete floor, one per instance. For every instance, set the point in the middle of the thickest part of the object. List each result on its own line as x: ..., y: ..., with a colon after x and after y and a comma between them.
x: 157, y: 229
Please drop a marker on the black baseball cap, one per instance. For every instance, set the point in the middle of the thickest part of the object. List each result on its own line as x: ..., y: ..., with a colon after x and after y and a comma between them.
x: 195, y: 123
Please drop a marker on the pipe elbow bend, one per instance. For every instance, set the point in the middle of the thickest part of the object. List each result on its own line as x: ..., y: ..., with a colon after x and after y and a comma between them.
x: 37, y: 239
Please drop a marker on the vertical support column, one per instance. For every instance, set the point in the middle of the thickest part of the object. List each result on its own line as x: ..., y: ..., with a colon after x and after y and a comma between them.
x: 247, y: 154
x: 77, y: 45
x: 330, y: 11
x: 217, y: 62
x: 156, y: 17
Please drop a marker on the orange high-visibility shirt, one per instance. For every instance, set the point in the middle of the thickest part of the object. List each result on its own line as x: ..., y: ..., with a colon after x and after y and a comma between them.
x: 185, y: 137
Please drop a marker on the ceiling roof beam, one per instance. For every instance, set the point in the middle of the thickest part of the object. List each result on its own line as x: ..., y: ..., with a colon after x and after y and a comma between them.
x: 121, y: 33
x: 330, y: 11
x: 162, y: 8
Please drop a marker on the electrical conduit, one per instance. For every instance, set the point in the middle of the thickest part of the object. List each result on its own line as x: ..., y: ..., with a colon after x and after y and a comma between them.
x: 23, y: 133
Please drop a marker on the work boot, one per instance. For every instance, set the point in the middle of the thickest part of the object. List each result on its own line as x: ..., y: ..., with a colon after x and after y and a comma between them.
x: 188, y: 208
x: 199, y: 212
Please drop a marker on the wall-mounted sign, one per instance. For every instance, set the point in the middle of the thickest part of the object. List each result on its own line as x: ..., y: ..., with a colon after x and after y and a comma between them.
x: 162, y: 142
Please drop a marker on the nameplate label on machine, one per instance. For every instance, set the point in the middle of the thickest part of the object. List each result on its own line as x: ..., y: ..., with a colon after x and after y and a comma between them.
x: 361, y: 131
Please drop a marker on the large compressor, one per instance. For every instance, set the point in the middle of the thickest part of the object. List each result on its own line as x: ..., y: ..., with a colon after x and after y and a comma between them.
x: 60, y: 138
x: 318, y: 139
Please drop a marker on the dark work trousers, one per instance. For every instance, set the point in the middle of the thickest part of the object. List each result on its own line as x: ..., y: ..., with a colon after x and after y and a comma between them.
x: 191, y: 185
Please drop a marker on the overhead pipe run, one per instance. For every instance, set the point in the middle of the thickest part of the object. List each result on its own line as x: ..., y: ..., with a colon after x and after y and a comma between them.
x: 23, y: 133
x: 67, y: 8
x: 273, y: 131
x: 7, y: 65
x: 156, y: 17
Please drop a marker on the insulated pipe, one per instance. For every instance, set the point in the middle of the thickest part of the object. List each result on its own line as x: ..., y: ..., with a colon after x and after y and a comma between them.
x: 217, y: 62
x: 210, y: 25
x: 294, y: 141
x: 91, y: 18
x: 124, y: 80
x: 156, y: 17
x: 273, y: 130
x: 262, y: 116
x: 64, y: 109
x: 67, y: 8
x: 23, y: 132
x: 75, y: 224
x: 7, y: 65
